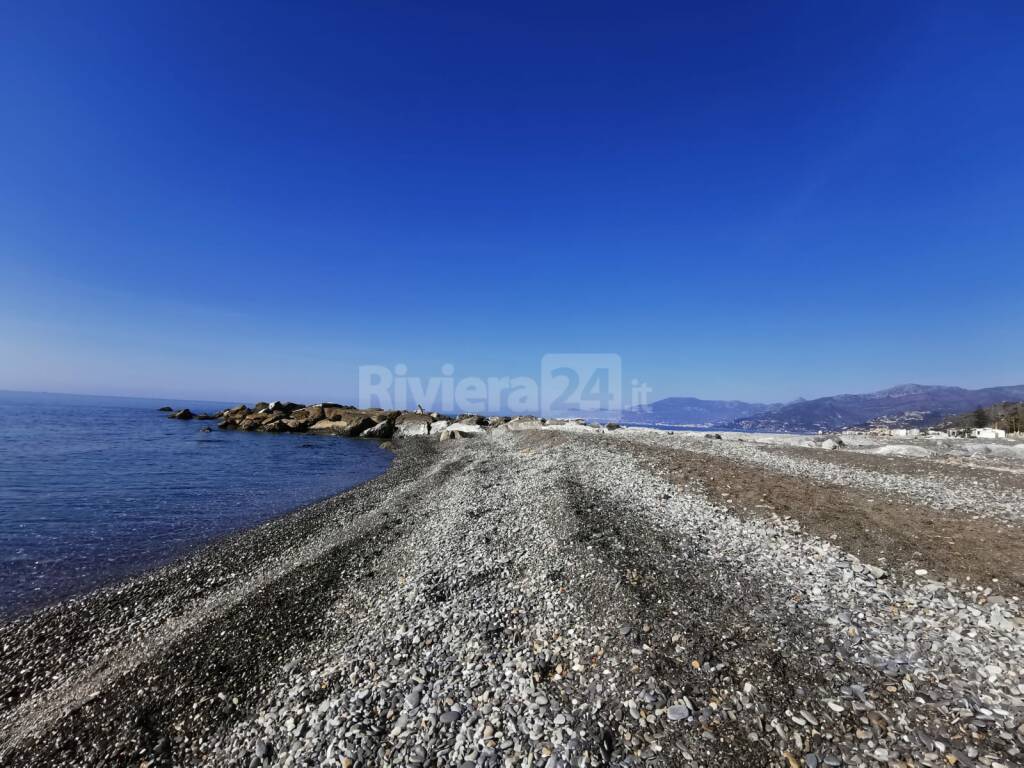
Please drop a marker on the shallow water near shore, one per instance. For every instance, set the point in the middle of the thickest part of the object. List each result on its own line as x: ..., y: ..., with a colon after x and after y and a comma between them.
x: 94, y: 489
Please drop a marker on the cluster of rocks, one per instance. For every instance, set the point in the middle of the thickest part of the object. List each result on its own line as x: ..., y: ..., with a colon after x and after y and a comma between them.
x: 186, y: 415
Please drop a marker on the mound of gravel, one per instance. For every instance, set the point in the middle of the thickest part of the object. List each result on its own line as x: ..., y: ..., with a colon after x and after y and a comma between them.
x: 911, y: 451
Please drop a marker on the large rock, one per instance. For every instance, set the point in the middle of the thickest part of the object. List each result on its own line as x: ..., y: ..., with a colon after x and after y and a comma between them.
x: 463, y: 429
x: 284, y: 406
x: 353, y: 426
x: 567, y: 424
x: 183, y: 414
x: 232, y: 416
x: 412, y: 429
x: 338, y: 412
x: 382, y: 430
x: 324, y: 425
x: 311, y: 414
x: 524, y: 422
x: 413, y: 424
x: 358, y: 425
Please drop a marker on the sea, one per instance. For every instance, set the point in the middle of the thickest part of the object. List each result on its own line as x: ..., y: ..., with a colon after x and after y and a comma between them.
x: 95, y: 489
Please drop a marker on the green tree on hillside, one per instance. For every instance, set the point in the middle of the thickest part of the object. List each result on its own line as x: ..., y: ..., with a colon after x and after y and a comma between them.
x: 1014, y: 419
x: 980, y: 418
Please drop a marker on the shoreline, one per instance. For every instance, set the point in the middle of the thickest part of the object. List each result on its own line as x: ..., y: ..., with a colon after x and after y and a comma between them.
x: 187, y: 551
x: 546, y: 587
x: 144, y: 615
x: 93, y: 495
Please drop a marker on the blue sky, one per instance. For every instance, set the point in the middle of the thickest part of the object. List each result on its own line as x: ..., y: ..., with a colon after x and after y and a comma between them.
x: 200, y: 200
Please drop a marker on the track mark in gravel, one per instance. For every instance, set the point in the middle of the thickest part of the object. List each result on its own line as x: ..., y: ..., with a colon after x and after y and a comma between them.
x: 698, y: 629
x: 894, y: 534
x: 944, y: 488
x: 903, y: 466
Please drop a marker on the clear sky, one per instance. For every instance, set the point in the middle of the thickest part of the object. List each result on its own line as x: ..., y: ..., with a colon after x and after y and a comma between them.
x: 749, y: 200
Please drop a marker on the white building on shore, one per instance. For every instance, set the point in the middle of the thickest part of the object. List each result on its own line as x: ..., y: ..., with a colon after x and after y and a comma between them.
x: 989, y: 432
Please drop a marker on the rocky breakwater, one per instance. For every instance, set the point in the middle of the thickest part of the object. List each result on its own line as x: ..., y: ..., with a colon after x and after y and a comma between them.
x: 327, y: 418
x: 349, y: 421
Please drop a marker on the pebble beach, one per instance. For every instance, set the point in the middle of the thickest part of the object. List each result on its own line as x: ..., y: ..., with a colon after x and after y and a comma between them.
x: 561, y: 597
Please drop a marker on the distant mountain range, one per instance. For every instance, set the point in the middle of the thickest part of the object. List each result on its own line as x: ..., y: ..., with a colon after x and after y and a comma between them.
x: 905, y: 405
x: 916, y: 405
x: 692, y: 412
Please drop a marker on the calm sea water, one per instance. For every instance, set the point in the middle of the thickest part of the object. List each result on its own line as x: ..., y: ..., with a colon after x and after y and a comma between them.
x: 94, y: 489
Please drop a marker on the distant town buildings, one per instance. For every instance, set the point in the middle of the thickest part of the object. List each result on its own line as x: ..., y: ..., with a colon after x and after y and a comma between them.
x: 989, y: 433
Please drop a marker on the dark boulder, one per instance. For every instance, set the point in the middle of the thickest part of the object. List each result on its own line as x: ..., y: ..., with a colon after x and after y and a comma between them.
x: 165, y: 409
x: 284, y: 406
x: 352, y: 425
x: 309, y: 415
x: 183, y: 414
x: 382, y: 429
x: 339, y: 412
x: 357, y: 425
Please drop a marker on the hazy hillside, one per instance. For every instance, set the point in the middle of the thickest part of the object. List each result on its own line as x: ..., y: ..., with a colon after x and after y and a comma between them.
x: 917, y: 404
x: 1008, y: 416
x: 693, y: 412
